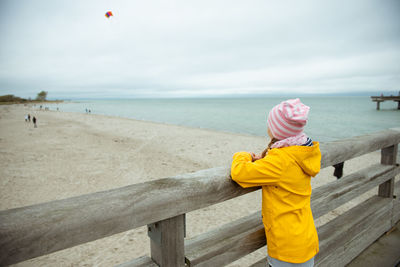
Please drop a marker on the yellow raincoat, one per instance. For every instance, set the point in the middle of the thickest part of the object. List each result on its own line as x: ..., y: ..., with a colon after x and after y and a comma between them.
x: 285, y: 176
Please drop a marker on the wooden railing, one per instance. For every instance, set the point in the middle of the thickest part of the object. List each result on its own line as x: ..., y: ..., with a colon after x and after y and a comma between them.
x: 37, y: 230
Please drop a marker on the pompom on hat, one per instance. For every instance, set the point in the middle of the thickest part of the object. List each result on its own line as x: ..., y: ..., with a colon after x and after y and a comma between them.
x: 288, y: 119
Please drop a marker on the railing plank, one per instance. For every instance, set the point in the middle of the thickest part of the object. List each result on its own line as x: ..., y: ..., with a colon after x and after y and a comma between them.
x: 330, y: 196
x: 261, y: 263
x: 227, y: 243
x: 44, y: 228
x: 346, y: 236
x: 230, y: 249
x: 40, y: 229
x: 342, y: 150
x: 396, y: 204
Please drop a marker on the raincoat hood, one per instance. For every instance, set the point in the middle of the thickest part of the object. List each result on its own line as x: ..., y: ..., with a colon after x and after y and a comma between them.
x: 307, y: 157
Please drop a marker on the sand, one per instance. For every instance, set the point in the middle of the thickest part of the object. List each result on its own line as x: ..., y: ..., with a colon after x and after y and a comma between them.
x: 71, y: 154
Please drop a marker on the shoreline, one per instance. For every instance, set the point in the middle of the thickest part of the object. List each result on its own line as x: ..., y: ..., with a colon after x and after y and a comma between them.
x: 72, y: 154
x: 32, y: 102
x: 162, y: 123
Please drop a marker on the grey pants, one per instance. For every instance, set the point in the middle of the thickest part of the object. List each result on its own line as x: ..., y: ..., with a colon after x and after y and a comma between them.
x: 277, y: 263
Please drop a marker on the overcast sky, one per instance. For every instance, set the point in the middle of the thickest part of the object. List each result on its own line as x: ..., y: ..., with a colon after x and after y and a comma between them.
x: 198, y: 48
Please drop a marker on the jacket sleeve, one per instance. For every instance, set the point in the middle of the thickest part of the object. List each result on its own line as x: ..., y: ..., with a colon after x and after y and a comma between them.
x: 266, y: 171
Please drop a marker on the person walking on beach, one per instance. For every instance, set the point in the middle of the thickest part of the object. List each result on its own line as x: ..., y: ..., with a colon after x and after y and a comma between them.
x: 34, y: 121
x: 26, y: 118
x: 29, y: 117
x: 284, y: 171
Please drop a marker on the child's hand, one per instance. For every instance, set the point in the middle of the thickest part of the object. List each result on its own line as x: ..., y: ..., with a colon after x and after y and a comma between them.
x: 255, y: 157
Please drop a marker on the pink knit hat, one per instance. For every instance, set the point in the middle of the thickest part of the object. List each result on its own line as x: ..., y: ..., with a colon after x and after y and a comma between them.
x: 288, y: 118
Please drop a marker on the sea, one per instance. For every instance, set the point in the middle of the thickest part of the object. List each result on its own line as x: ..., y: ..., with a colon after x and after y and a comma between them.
x: 330, y: 118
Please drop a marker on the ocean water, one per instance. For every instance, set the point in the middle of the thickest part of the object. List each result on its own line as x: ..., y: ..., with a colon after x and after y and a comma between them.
x: 330, y: 118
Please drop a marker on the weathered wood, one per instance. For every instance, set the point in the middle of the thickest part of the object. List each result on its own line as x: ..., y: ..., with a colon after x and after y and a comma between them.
x: 342, y: 150
x: 388, y: 157
x: 220, y: 254
x: 343, y: 238
x: 396, y: 204
x: 261, y: 263
x: 167, y: 241
x: 40, y: 229
x: 143, y: 261
x: 386, y: 189
x: 330, y: 196
x: 385, y: 251
x: 44, y: 228
x: 227, y: 243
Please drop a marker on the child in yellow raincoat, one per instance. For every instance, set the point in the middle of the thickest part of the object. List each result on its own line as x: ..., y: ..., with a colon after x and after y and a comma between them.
x: 284, y: 172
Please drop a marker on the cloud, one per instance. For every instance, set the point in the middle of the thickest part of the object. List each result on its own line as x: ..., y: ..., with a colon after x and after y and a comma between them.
x: 181, y: 48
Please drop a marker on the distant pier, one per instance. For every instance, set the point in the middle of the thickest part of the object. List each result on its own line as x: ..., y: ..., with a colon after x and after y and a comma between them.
x: 382, y: 98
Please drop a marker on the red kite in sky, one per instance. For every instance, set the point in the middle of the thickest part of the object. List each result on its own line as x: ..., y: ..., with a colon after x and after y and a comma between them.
x: 109, y: 14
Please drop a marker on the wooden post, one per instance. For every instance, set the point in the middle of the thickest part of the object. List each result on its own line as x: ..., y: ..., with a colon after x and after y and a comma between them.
x: 388, y: 157
x: 167, y: 241
x: 378, y: 105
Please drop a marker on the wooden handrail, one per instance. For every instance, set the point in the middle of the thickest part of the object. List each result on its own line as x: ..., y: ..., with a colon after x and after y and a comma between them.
x: 342, y: 150
x: 40, y: 229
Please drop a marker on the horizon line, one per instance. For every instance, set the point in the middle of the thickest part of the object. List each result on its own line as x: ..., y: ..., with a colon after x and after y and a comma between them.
x: 349, y: 94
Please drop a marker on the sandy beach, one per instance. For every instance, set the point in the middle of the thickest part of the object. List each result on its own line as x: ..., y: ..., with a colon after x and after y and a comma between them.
x: 71, y: 154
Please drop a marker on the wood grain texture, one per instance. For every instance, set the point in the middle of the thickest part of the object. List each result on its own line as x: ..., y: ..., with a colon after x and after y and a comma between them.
x: 40, y: 229
x: 396, y: 204
x: 343, y: 238
x: 388, y: 157
x: 229, y: 250
x: 261, y: 263
x: 330, y: 196
x: 342, y: 150
x: 227, y: 243
x: 386, y: 189
x: 167, y: 244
